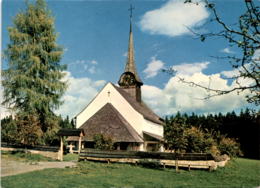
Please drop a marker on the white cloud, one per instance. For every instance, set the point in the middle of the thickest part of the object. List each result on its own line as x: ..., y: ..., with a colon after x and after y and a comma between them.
x: 177, y: 96
x: 249, y: 67
x: 86, y: 65
x: 236, y: 72
x: 77, y: 62
x: 174, y: 96
x: 231, y: 73
x: 227, y: 51
x: 93, y: 62
x: 125, y: 54
x: 153, y: 67
x: 174, y: 18
x: 190, y: 68
x: 80, y: 92
x: 92, y: 70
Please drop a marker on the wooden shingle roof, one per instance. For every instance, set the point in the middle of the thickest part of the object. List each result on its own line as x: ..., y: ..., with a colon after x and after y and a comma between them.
x: 109, y: 122
x: 142, y: 108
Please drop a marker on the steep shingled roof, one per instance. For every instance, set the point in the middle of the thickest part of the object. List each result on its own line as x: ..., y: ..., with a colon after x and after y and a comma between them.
x: 109, y: 122
x: 142, y: 108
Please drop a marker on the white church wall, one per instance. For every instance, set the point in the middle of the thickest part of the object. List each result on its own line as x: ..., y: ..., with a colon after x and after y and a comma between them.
x: 151, y: 127
x: 97, y: 103
x: 127, y: 111
x: 110, y: 94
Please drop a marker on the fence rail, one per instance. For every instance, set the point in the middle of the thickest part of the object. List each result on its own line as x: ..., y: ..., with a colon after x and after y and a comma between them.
x: 145, y: 155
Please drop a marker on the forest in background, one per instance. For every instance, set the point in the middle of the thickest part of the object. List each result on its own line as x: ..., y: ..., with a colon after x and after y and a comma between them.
x: 243, y: 127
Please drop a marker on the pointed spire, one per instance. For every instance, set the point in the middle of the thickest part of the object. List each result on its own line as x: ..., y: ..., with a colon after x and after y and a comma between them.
x: 130, y: 64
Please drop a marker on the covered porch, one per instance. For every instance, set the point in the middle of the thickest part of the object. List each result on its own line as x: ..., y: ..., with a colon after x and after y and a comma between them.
x: 76, y: 134
x: 152, y: 142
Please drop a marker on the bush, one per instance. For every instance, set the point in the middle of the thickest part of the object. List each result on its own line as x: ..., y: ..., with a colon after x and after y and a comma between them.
x: 230, y: 147
x: 146, y: 163
x: 198, y: 141
x: 102, y: 142
x: 9, y: 130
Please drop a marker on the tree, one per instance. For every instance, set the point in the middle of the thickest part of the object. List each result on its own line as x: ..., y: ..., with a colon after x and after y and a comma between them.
x: 245, y: 35
x: 66, y: 123
x: 174, y: 134
x: 9, y: 130
x: 32, y: 82
x: 29, y: 129
x: 219, y: 134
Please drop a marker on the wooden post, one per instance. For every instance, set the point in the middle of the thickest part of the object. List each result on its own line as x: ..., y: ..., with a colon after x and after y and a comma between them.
x: 80, y: 142
x: 61, y: 148
x: 176, y: 165
x: 145, y: 146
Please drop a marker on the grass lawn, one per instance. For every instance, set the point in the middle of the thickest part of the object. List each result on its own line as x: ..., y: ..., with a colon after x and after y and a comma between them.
x: 238, y: 173
x: 70, y: 157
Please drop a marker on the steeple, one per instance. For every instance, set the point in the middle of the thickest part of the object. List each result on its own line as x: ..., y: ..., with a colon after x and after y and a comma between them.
x: 130, y: 64
x: 130, y: 80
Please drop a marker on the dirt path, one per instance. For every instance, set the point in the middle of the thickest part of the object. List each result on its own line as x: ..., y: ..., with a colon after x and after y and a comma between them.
x: 11, y: 167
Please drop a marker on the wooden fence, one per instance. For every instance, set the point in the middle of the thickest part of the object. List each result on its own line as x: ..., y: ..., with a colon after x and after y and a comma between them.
x: 37, y: 147
x: 189, y: 160
x: 47, y: 151
x: 145, y: 155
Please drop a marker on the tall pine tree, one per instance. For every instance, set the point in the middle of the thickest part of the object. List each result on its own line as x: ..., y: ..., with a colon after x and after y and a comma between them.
x: 33, y: 83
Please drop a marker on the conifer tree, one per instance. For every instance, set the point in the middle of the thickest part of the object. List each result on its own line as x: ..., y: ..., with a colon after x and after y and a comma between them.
x: 32, y: 82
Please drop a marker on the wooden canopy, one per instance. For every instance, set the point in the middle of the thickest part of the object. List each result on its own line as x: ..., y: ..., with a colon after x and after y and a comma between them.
x: 70, y: 132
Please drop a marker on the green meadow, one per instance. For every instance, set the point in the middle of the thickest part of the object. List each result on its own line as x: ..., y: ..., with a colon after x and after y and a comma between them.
x: 238, y: 173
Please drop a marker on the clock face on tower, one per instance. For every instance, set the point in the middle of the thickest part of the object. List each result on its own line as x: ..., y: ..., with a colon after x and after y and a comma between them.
x: 127, y: 79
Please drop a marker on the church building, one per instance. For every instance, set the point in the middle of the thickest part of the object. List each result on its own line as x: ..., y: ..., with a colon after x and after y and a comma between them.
x: 118, y: 112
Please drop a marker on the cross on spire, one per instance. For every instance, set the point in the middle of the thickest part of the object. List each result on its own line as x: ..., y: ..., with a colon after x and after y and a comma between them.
x: 131, y: 10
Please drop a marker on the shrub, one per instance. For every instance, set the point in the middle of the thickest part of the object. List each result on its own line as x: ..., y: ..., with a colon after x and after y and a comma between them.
x: 102, y: 142
x: 230, y: 147
x: 149, y: 163
x: 9, y: 130
x: 198, y: 141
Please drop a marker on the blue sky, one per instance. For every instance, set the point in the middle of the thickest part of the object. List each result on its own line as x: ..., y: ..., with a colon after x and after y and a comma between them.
x: 94, y: 35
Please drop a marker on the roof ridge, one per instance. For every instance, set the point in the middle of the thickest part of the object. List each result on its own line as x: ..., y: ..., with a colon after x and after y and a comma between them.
x: 142, y: 108
x: 93, y: 98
